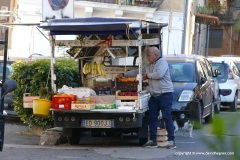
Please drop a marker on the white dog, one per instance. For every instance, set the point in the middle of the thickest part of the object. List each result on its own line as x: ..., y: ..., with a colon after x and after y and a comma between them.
x: 188, y: 127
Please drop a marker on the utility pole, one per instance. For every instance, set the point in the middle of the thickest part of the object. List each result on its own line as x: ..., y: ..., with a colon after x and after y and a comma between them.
x: 184, y: 26
x: 2, y: 118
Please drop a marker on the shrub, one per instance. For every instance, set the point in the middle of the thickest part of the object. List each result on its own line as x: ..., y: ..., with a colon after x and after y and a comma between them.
x: 32, y: 76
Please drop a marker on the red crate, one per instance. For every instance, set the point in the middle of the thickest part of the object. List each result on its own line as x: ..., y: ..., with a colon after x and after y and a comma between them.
x: 62, y: 103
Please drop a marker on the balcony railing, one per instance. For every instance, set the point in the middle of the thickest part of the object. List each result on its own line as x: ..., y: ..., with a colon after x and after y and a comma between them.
x: 140, y: 3
x: 222, y: 13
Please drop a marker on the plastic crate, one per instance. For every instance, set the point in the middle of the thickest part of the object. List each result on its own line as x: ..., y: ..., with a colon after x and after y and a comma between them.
x: 62, y: 103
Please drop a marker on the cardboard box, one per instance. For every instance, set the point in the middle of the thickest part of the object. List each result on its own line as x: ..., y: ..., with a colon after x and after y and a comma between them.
x: 28, y: 100
x: 78, y: 105
x: 105, y: 106
x: 120, y: 104
x: 104, y: 99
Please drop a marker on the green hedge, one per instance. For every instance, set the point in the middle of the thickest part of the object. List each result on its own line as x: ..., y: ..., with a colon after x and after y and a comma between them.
x: 31, y: 76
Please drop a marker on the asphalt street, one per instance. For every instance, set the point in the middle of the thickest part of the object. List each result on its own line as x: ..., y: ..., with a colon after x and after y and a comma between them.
x: 20, y: 144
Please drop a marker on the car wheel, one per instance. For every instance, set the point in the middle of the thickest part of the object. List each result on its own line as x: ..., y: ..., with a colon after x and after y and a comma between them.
x: 209, y: 118
x: 233, y: 105
x: 75, y: 137
x: 198, y: 117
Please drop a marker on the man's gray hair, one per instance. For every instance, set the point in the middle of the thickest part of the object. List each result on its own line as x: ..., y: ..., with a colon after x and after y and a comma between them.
x: 154, y: 50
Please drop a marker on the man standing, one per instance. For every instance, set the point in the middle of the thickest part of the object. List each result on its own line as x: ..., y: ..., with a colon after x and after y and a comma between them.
x: 156, y: 71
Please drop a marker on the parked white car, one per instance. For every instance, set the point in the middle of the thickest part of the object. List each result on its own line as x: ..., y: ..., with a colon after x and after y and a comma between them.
x: 229, y: 81
x: 235, y: 58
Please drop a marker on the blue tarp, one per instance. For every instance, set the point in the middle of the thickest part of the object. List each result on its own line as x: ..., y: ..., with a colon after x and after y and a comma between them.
x: 97, y: 25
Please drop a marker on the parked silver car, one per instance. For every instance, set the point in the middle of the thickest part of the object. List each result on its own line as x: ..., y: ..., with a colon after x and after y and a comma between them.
x: 229, y: 81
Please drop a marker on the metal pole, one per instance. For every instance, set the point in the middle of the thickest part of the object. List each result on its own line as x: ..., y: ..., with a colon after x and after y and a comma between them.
x: 4, y: 69
x: 207, y: 41
x: 53, y: 76
x: 199, y: 39
x: 2, y: 117
x: 184, y: 26
x: 230, y: 45
x: 140, y: 60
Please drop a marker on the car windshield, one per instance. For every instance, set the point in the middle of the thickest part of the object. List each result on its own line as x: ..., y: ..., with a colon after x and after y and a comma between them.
x: 238, y: 64
x: 222, y: 78
x: 181, y: 72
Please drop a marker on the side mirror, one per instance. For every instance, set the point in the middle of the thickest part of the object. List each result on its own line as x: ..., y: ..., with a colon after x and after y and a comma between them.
x: 9, y: 86
x: 203, y: 80
x: 217, y: 72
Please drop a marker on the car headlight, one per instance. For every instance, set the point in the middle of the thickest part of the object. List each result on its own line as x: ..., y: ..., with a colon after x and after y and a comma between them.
x: 186, y: 96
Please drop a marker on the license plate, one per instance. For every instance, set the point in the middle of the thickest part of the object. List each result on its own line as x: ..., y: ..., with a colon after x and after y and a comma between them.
x: 97, y: 123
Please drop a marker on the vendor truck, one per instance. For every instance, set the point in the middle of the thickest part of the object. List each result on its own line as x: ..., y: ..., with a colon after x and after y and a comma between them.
x: 104, y: 47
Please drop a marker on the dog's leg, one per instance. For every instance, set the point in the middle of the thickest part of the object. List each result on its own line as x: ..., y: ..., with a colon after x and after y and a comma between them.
x: 190, y: 134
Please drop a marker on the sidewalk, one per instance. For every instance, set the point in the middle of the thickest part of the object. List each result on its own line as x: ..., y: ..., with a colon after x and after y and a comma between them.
x: 17, y: 133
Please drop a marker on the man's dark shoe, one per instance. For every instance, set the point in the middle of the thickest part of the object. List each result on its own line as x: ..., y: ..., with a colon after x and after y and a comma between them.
x: 150, y: 144
x: 171, y: 145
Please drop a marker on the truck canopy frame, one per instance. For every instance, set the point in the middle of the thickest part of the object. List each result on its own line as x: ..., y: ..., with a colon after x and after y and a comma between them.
x: 103, y: 26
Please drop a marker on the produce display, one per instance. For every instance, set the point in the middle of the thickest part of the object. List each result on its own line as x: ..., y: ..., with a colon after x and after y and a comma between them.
x: 126, y: 84
x: 127, y: 94
x: 94, y: 68
x: 127, y: 79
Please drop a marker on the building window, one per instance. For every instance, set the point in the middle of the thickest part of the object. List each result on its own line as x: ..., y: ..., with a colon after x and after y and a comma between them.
x: 215, y: 38
x: 237, y: 3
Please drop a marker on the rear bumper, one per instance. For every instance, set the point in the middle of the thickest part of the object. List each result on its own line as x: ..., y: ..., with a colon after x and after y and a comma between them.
x: 184, y: 111
x: 73, y: 120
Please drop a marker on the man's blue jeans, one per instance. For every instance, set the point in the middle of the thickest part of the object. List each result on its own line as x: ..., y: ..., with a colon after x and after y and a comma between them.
x: 163, y: 103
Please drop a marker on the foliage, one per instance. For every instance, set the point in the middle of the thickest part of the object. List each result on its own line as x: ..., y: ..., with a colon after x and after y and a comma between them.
x: 31, y: 77
x: 237, y: 25
x: 217, y: 11
x: 223, y: 139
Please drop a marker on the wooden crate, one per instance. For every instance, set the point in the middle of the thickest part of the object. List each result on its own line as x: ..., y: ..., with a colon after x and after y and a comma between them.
x: 28, y: 100
x: 125, y: 97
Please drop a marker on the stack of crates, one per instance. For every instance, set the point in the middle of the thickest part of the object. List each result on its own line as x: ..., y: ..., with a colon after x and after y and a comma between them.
x: 162, y: 137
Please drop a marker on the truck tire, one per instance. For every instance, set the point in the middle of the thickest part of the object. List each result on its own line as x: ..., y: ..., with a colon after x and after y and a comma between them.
x: 75, y: 137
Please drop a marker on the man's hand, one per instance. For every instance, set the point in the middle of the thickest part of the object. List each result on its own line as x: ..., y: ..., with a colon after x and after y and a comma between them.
x: 144, y: 76
x: 119, y: 75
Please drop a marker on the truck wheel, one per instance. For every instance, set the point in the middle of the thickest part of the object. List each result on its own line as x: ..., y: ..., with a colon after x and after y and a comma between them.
x: 75, y: 137
x: 233, y: 105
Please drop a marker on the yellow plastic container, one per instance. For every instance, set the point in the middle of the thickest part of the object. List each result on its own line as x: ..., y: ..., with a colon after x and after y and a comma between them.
x: 41, y: 107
